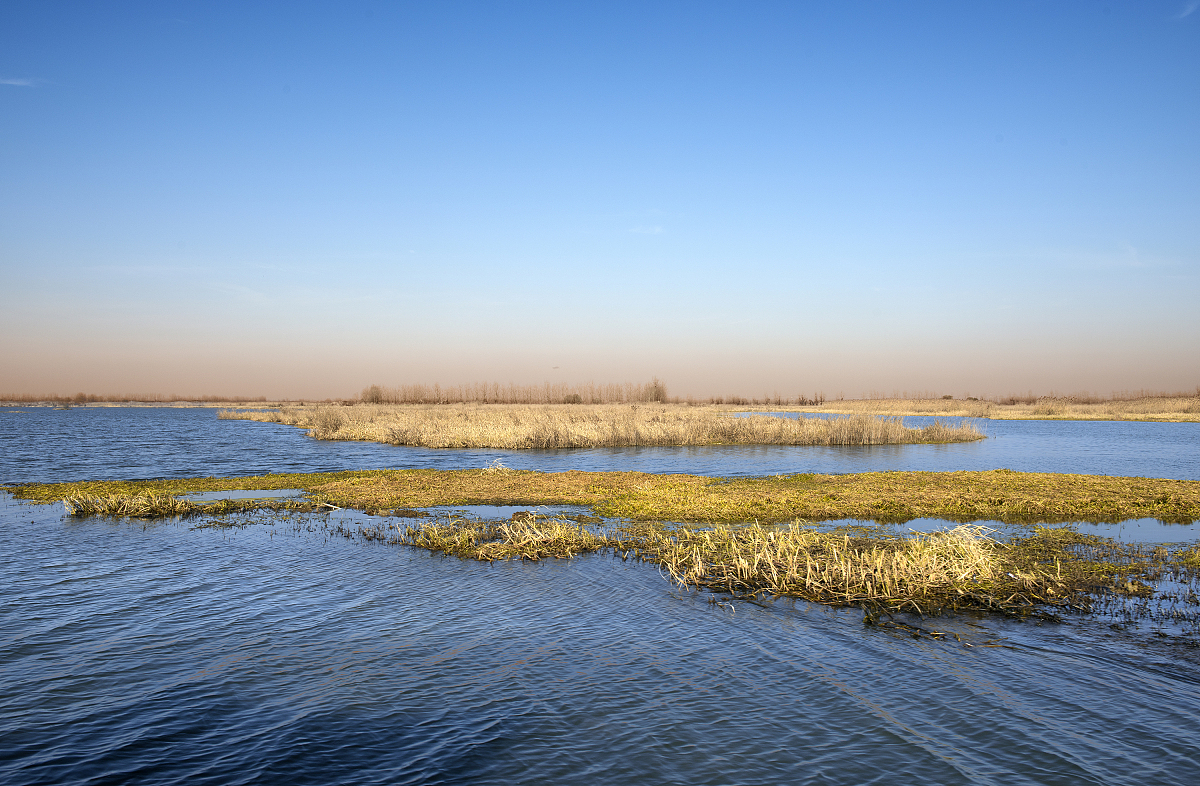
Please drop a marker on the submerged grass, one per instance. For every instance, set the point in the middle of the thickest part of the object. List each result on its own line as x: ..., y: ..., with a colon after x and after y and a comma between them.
x: 523, y: 427
x: 997, y: 495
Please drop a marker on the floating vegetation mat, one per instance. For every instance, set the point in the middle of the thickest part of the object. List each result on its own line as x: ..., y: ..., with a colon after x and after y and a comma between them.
x: 1043, y: 571
x: 1046, y: 573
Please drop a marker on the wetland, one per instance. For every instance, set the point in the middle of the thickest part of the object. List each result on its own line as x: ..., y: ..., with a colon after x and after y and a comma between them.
x: 330, y: 610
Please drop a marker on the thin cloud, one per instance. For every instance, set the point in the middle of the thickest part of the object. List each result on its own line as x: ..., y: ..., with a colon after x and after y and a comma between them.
x: 18, y: 82
x: 1189, y: 8
x: 647, y: 230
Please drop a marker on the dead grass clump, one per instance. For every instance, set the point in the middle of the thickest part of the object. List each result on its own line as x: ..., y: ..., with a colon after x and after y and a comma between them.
x: 962, y: 568
x: 943, y: 569
x: 326, y: 423
x: 128, y: 506
x: 585, y: 426
x: 530, y: 538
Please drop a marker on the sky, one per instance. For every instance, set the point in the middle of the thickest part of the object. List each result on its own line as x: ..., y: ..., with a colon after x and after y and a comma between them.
x: 303, y: 199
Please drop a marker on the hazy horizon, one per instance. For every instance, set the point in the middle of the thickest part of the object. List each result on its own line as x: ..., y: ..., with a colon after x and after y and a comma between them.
x: 672, y: 393
x: 301, y: 200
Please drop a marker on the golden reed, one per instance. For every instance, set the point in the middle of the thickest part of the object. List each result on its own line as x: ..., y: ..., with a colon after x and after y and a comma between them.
x: 591, y: 426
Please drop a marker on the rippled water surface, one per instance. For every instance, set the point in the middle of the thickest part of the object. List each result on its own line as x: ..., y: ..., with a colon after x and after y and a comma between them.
x: 164, y: 652
x: 43, y: 444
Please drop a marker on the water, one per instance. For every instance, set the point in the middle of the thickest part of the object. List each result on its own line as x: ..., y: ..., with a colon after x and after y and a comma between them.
x: 1128, y: 531
x: 43, y: 444
x: 161, y: 652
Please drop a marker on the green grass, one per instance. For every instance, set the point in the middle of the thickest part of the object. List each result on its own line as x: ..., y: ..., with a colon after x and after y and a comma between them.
x: 998, y: 495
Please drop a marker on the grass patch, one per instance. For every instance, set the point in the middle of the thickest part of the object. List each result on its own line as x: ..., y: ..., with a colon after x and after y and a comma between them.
x: 997, y: 495
x: 54, y: 492
x: 149, y: 505
x: 530, y: 538
x: 128, y: 505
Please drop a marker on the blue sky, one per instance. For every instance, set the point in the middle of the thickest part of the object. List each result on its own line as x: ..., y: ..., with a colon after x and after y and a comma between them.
x: 303, y: 199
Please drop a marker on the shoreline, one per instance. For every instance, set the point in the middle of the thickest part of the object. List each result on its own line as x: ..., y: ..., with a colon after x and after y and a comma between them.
x: 1145, y: 410
x: 1166, y: 409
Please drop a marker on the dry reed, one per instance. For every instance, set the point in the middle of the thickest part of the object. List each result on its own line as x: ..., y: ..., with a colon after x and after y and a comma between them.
x: 961, y: 568
x: 567, y: 426
x: 530, y: 538
x: 954, y: 568
x: 1179, y: 408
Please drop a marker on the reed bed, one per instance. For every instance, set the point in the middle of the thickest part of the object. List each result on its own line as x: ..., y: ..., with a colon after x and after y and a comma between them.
x: 1176, y: 408
x: 576, y: 426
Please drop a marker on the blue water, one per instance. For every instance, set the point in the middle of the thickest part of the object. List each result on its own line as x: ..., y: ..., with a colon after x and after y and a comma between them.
x: 282, y: 651
x: 43, y: 444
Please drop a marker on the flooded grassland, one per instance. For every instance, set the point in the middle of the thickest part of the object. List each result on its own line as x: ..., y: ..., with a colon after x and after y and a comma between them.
x: 251, y: 611
x: 996, y: 495
x: 746, y: 536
